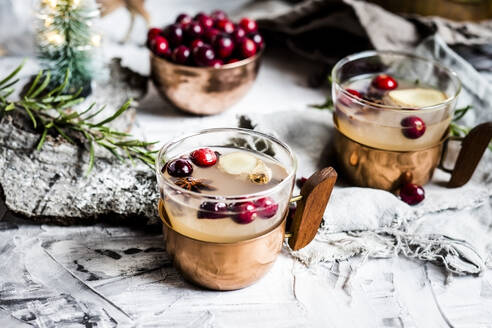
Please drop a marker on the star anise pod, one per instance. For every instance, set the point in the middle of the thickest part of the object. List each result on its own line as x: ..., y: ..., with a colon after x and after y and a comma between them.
x: 193, y: 184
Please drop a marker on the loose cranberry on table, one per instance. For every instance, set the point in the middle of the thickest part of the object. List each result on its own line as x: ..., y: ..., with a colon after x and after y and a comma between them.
x: 412, y: 194
x: 174, y: 34
x: 183, y: 19
x: 225, y: 25
x: 248, y: 25
x: 384, y: 82
x: 301, y: 181
x: 245, y: 212
x: 204, y: 55
x: 179, y: 168
x: 247, y: 48
x: 181, y: 55
x: 266, y: 207
x: 204, y: 157
x: 223, y: 46
x: 160, y: 46
x: 212, y: 210
x: 413, y: 127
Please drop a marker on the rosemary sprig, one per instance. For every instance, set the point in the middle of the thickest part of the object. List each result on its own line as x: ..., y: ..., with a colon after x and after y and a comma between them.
x: 51, y: 114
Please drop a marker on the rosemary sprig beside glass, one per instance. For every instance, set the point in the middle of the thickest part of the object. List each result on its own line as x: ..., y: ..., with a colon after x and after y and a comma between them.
x: 50, y: 113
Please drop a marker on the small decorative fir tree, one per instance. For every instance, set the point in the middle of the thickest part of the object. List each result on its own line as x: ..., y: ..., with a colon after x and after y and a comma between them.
x: 66, y: 42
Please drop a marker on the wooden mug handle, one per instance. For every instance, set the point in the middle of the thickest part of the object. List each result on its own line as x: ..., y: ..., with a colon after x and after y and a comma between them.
x: 472, y: 148
x: 315, y: 194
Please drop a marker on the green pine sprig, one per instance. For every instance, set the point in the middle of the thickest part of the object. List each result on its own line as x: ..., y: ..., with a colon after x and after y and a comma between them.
x: 50, y: 114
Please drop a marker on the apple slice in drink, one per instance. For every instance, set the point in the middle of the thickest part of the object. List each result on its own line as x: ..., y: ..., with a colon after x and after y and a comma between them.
x: 415, y: 98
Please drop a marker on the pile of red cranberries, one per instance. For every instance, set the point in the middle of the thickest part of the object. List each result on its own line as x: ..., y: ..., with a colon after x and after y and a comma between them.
x: 206, y: 40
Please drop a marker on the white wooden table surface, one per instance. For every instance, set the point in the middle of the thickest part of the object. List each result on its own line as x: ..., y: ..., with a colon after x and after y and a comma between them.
x: 105, y: 276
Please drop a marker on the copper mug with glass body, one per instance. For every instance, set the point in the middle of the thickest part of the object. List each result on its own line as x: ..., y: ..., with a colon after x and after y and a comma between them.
x: 371, y: 144
x: 236, y: 260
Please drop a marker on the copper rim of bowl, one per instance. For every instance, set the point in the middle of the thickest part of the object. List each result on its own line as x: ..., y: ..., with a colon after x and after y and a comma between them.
x: 365, y: 54
x: 440, y: 143
x: 244, y: 241
x: 242, y: 197
x: 240, y: 63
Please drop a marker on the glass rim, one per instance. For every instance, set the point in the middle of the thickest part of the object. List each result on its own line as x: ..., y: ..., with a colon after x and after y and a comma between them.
x: 238, y: 197
x: 365, y: 54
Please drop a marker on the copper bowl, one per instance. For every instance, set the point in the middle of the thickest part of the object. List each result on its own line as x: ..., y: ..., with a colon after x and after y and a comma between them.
x: 204, y: 90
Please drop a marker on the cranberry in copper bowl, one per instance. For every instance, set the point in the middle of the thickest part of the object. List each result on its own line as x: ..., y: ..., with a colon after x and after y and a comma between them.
x: 205, y: 63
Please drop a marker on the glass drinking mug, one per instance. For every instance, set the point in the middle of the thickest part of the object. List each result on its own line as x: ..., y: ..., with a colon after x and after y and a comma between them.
x: 219, y: 253
x: 371, y: 143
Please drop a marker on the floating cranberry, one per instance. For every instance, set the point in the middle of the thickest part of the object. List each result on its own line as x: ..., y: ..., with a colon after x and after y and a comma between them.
x: 248, y: 25
x: 183, y: 19
x: 413, y: 127
x: 218, y: 14
x: 225, y: 25
x: 216, y: 63
x: 203, y: 157
x: 247, y: 48
x: 204, y: 55
x: 212, y: 210
x: 174, y: 33
x: 153, y: 32
x: 412, y: 194
x: 181, y: 54
x: 160, y: 46
x: 300, y: 182
x: 210, y: 35
x: 266, y: 207
x: 194, y: 30
x: 346, y: 100
x: 179, y: 168
x: 384, y: 82
x: 195, y: 44
x: 245, y: 212
x: 205, y: 21
x: 257, y: 39
x: 238, y: 34
x: 354, y: 92
x: 233, y: 60
x: 223, y: 46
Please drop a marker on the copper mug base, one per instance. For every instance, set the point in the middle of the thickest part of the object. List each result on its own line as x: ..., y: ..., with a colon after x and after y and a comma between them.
x: 222, y: 266
x: 370, y: 167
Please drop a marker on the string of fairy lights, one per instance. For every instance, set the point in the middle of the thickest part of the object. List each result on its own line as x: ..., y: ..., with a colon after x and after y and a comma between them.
x: 53, y: 9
